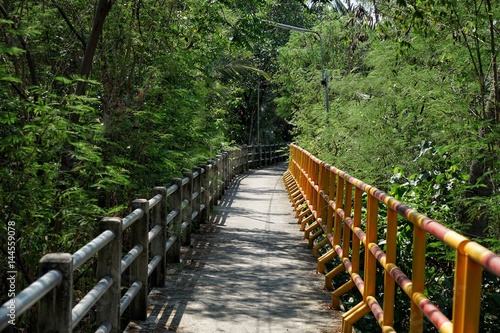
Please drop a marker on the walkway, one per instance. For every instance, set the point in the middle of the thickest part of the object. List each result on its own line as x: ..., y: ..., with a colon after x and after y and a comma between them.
x: 247, y: 271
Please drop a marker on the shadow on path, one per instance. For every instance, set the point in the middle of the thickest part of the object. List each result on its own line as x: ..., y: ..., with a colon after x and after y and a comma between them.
x: 249, y: 270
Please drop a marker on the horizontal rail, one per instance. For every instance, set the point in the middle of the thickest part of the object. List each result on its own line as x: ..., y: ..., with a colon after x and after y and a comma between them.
x: 154, y: 263
x: 132, y: 217
x: 188, y: 200
x: 171, y: 190
x: 129, y: 296
x: 335, y: 206
x: 171, y: 216
x: 154, y: 200
x: 89, y: 300
x: 130, y: 257
x: 89, y: 250
x: 28, y: 297
x: 154, y: 232
x: 170, y: 242
x: 105, y: 327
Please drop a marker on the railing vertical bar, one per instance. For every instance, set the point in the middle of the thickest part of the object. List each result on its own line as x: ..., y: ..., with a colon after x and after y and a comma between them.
x: 174, y: 230
x: 187, y: 193
x: 109, y: 264
x: 370, y: 269
x: 159, y: 218
x: 337, y: 222
x: 418, y: 276
x: 139, y: 268
x: 389, y: 283
x: 54, y: 310
x: 205, y: 195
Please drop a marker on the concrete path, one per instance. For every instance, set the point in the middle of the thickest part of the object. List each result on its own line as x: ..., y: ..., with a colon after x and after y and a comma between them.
x: 248, y: 271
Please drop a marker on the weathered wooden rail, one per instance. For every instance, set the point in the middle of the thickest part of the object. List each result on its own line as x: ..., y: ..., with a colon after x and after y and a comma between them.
x: 330, y: 203
x: 157, y: 227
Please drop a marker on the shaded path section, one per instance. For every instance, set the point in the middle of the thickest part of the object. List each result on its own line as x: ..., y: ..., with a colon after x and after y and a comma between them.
x: 248, y: 271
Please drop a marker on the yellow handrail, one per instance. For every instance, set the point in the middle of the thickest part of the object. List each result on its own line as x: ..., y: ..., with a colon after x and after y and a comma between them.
x: 332, y: 200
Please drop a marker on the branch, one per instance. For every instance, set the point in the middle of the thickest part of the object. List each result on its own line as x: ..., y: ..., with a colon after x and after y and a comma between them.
x: 29, y: 59
x: 103, y: 9
x: 71, y: 27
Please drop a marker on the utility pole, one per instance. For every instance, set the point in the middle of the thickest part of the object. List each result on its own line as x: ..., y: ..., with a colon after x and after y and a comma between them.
x: 324, y: 74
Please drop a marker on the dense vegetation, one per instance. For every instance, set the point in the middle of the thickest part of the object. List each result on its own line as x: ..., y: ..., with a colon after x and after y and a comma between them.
x: 414, y: 108
x: 101, y: 102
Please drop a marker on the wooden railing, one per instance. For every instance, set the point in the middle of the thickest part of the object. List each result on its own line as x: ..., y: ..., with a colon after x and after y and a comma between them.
x: 330, y: 203
x: 157, y: 228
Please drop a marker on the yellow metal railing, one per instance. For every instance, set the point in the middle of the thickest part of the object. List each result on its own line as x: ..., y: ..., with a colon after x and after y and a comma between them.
x: 328, y: 202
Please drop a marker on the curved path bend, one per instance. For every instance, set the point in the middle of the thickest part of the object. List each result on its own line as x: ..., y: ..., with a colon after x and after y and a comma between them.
x: 249, y: 270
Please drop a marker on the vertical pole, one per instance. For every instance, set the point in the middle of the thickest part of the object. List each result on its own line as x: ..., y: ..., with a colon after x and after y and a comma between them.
x: 196, y: 204
x: 210, y: 184
x: 417, y: 278
x: 217, y: 177
x: 370, y: 268
x: 246, y: 157
x: 175, y: 204
x: 54, y: 311
x: 187, y: 196
x: 227, y: 170
x: 205, y: 196
x: 389, y: 283
x: 109, y: 264
x: 158, y: 245
x: 467, y: 292
x: 139, y: 268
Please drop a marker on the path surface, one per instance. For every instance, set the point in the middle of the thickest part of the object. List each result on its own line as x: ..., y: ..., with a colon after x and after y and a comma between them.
x: 247, y: 271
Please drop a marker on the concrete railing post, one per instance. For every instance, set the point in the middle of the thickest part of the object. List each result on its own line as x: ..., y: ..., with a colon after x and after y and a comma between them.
x: 268, y: 155
x: 205, y: 193
x: 227, y: 178
x: 273, y: 154
x: 174, y: 229
x: 196, y: 204
x: 244, y: 157
x: 109, y: 264
x: 239, y: 163
x: 158, y: 245
x: 187, y: 194
x: 54, y: 310
x: 139, y: 268
x: 251, y: 157
x: 217, y: 178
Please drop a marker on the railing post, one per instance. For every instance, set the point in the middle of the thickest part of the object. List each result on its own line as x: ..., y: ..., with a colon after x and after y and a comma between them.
x: 109, y: 264
x: 233, y: 164
x: 204, y: 193
x: 227, y: 178
x: 245, y: 157
x: 254, y: 154
x: 139, y: 268
x: 175, y: 204
x: 217, y: 177
x: 240, y: 161
x: 266, y: 154
x: 210, y: 185
x: 196, y: 203
x: 158, y: 245
x: 54, y: 310
x: 187, y: 193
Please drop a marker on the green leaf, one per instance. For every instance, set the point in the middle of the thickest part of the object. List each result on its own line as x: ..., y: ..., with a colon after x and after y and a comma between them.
x: 11, y: 79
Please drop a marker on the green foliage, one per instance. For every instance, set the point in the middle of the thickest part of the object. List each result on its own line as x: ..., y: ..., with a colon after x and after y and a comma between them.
x: 412, y: 112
